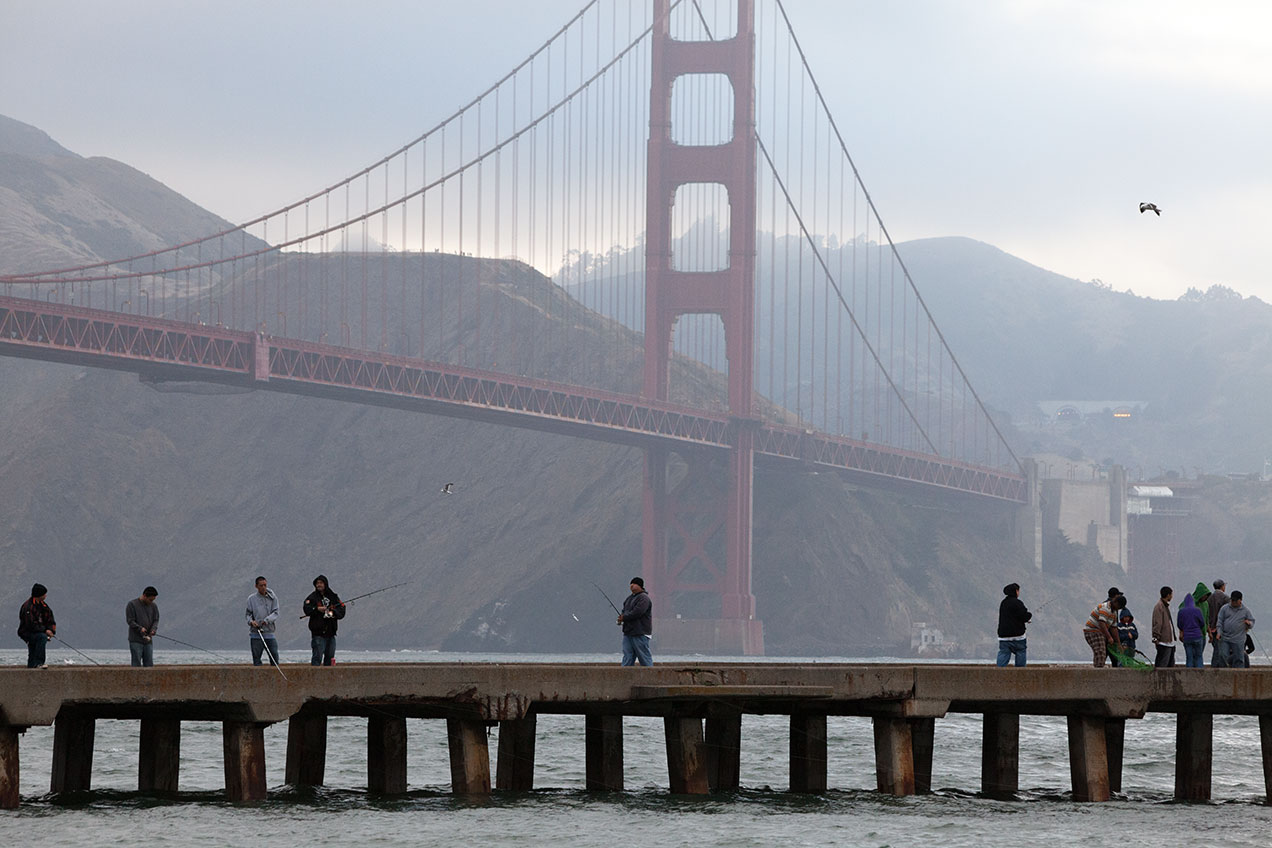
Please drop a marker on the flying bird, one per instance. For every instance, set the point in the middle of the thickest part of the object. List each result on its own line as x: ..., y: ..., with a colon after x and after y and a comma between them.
x: 1150, y: 207
x: 446, y: 490
x: 576, y: 618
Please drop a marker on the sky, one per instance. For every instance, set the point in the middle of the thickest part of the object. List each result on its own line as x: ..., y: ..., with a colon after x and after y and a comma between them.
x: 1037, y: 126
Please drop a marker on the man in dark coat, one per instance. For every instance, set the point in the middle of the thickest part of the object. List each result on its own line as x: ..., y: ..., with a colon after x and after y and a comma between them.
x: 637, y: 619
x: 1012, y: 617
x: 36, y: 626
x: 324, y: 609
x: 1218, y: 598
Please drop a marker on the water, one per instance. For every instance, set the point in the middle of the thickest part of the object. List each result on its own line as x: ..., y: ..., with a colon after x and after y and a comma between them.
x: 560, y: 812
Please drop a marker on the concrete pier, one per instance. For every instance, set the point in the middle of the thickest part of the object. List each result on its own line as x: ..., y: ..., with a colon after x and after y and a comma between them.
x: 702, y: 707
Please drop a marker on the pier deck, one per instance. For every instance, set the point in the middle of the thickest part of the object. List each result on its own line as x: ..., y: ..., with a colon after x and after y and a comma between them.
x: 701, y: 705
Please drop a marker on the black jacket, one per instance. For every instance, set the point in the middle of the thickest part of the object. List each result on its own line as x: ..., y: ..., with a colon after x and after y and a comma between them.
x: 34, y: 617
x: 1012, y: 616
x: 638, y: 614
x: 319, y: 624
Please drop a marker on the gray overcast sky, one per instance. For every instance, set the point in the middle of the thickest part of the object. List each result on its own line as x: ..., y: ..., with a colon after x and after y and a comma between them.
x: 1037, y: 126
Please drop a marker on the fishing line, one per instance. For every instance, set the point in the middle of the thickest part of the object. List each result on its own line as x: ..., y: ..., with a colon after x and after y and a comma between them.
x: 607, y: 597
x: 75, y: 649
x: 196, y: 647
x: 368, y: 594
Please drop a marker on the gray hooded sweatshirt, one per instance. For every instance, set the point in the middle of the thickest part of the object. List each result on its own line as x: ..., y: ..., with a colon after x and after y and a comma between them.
x: 262, y: 608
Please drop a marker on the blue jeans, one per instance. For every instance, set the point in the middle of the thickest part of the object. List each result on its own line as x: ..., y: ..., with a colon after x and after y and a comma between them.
x: 1192, y: 653
x: 258, y: 647
x: 1008, y: 647
x: 35, y: 649
x: 636, y: 648
x: 1234, y: 655
x: 324, y: 650
x: 143, y: 653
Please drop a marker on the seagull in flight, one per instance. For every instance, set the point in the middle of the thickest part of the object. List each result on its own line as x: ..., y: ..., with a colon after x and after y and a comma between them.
x: 446, y: 490
x: 1150, y: 207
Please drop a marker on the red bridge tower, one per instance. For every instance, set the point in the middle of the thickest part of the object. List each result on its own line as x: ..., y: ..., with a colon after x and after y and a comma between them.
x: 697, y: 533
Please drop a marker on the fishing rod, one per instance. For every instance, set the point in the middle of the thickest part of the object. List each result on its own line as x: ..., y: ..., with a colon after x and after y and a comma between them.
x: 607, y: 597
x: 75, y: 649
x: 368, y: 594
x: 273, y: 660
x: 196, y: 647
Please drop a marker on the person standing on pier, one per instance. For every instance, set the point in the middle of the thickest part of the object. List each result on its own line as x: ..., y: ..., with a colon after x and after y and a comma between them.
x: 142, y: 615
x: 637, y: 619
x: 1012, y: 618
x: 325, y: 610
x: 262, y: 613
x: 1192, y: 630
x: 1101, y: 629
x: 1234, y: 620
x: 1218, y: 598
x: 1164, y: 631
x: 36, y: 625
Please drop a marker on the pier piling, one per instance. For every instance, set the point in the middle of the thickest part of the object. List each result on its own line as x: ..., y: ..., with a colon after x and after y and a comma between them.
x: 159, y: 755
x: 9, y: 794
x: 686, y: 756
x: 469, y: 756
x: 1000, y: 755
x: 306, y: 749
x: 244, y: 744
x: 808, y: 753
x: 514, y: 762
x: 1088, y: 758
x: 72, y: 754
x: 894, y: 755
x: 386, y: 755
x: 724, y: 749
x: 603, y: 742
x: 922, y: 741
x: 1193, y: 756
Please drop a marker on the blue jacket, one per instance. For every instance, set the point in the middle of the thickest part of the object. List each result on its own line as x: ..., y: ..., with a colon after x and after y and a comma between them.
x: 1192, y: 624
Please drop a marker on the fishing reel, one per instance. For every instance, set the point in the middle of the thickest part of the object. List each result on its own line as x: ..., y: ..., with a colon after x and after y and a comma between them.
x: 327, y: 613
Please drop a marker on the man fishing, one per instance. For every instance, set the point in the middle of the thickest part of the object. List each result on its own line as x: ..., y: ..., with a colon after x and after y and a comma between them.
x: 36, y: 625
x: 325, y: 610
x: 262, y: 614
x: 637, y: 620
x: 142, y: 615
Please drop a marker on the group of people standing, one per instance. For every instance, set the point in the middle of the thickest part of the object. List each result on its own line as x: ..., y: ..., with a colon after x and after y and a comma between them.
x: 323, y: 608
x: 1205, y: 615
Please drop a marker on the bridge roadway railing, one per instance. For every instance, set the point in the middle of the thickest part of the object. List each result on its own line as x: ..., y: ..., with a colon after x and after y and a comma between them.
x: 160, y: 349
x: 701, y: 705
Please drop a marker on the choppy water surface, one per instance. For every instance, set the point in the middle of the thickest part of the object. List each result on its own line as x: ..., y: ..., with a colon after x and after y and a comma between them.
x: 560, y: 812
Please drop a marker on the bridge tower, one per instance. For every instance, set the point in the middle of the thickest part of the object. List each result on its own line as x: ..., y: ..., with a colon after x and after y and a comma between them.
x: 697, y: 533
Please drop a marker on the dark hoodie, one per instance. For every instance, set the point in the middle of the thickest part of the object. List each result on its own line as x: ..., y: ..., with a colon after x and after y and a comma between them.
x: 1201, y: 597
x: 1192, y: 623
x: 320, y: 624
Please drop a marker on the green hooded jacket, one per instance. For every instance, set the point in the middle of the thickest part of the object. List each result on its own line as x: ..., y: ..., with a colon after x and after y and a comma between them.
x: 1201, y: 597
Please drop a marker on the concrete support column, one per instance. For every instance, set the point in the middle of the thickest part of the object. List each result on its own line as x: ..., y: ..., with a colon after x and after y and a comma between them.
x: 72, y: 754
x: 159, y: 755
x: 9, y: 771
x: 724, y: 750
x: 1000, y: 755
x: 469, y: 756
x: 808, y: 753
x: 386, y: 755
x: 603, y: 739
x: 894, y: 756
x: 1088, y: 758
x: 1114, y: 744
x: 514, y: 768
x: 922, y: 739
x: 686, y: 756
x: 1193, y: 755
x: 244, y: 760
x: 306, y: 750
x: 1265, y: 738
